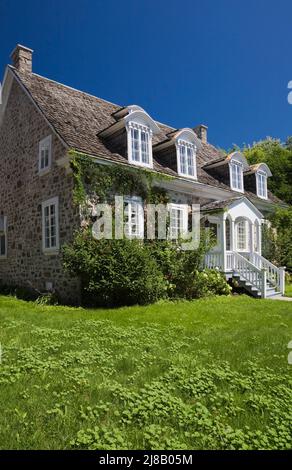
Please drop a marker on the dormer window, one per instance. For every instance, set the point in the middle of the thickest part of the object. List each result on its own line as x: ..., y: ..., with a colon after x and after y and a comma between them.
x: 261, y: 178
x: 140, y: 151
x: 140, y: 128
x: 236, y: 175
x: 186, y: 159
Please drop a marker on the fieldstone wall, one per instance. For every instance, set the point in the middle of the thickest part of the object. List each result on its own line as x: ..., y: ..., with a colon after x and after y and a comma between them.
x: 22, y: 191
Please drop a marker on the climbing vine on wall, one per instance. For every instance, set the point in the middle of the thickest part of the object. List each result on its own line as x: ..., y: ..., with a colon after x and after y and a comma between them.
x: 101, y: 182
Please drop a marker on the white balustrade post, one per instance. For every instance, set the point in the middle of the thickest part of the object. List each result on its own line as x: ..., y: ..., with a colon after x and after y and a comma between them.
x: 282, y: 280
x: 264, y: 283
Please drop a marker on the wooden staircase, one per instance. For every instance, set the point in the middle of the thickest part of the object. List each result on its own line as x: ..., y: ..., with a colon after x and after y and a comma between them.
x: 258, y: 276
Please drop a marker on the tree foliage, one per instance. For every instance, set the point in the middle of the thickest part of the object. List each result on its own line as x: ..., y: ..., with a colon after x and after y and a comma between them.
x: 278, y: 157
x: 277, y: 239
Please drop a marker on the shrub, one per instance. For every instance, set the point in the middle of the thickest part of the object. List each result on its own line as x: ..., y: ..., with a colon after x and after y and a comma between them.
x: 49, y: 298
x: 127, y: 272
x: 210, y: 282
x: 183, y: 270
x: 114, y: 272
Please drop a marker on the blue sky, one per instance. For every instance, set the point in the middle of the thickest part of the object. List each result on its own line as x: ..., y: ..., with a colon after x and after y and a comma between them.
x: 223, y: 63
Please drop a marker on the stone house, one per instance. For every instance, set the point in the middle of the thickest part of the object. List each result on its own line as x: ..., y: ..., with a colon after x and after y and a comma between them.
x: 41, y: 120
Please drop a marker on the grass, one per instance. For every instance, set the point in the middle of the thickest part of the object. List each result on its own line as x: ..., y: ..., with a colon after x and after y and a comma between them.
x: 288, y: 290
x: 208, y: 374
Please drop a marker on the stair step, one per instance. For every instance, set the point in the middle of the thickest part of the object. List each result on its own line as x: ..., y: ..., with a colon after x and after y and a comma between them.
x: 274, y: 294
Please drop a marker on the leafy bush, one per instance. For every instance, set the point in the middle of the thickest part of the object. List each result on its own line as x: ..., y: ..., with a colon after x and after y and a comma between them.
x: 114, y: 272
x: 183, y: 271
x: 209, y: 282
x: 127, y: 272
x: 49, y: 298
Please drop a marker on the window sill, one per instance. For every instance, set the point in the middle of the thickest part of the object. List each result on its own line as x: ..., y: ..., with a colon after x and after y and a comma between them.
x: 44, y: 172
x: 191, y: 177
x: 52, y: 252
x: 238, y: 190
x: 143, y: 165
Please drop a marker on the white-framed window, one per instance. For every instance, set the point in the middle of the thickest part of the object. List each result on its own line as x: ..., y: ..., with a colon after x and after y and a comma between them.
x: 50, y: 225
x: 3, y: 236
x: 134, y: 217
x: 261, y: 179
x: 178, y: 220
x: 236, y: 176
x: 228, y: 234
x: 242, y: 235
x: 140, y: 144
x: 186, y: 158
x: 256, y: 237
x: 45, y: 154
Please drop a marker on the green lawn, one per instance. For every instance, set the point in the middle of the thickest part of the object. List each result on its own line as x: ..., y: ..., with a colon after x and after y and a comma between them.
x: 190, y: 375
x: 288, y: 290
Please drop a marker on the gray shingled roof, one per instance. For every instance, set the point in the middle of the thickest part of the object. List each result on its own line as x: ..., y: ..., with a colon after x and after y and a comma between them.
x: 218, y: 205
x: 78, y: 117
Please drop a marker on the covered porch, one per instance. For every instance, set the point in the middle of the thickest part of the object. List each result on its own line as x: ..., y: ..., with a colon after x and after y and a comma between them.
x: 237, y: 227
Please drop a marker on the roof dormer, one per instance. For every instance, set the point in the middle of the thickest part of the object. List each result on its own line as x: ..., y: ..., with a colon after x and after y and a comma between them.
x: 229, y: 169
x: 179, y: 152
x: 133, y: 131
x: 257, y: 179
x: 237, y: 165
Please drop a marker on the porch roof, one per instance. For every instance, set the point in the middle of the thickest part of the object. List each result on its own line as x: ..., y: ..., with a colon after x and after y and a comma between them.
x: 219, y: 205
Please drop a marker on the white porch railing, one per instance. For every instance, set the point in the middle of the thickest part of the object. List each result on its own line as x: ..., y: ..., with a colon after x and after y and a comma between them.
x: 252, y: 267
x: 275, y: 275
x: 214, y: 261
x: 255, y: 276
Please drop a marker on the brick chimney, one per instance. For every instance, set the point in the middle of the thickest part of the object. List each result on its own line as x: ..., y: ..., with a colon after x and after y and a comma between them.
x: 201, y: 132
x: 22, y: 58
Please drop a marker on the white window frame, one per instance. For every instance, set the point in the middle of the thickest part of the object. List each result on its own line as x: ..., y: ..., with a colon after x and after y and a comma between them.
x: 50, y: 249
x: 235, y: 164
x: 183, y: 208
x: 139, y: 128
x: 183, y: 145
x: 4, y: 233
x: 246, y: 234
x: 45, y: 144
x: 262, y: 184
x: 136, y: 203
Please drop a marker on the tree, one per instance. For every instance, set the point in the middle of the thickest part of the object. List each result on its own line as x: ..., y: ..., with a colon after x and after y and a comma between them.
x: 278, y: 157
x: 277, y: 239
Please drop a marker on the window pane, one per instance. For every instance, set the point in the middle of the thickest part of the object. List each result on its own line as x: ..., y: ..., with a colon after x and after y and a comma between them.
x: 190, y: 160
x: 50, y: 226
x: 176, y: 223
x: 144, y: 147
x: 236, y: 175
x: 135, y: 144
x: 133, y: 219
x: 227, y: 232
x: 241, y: 235
x: 256, y: 237
x: 2, y: 244
x: 183, y: 163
